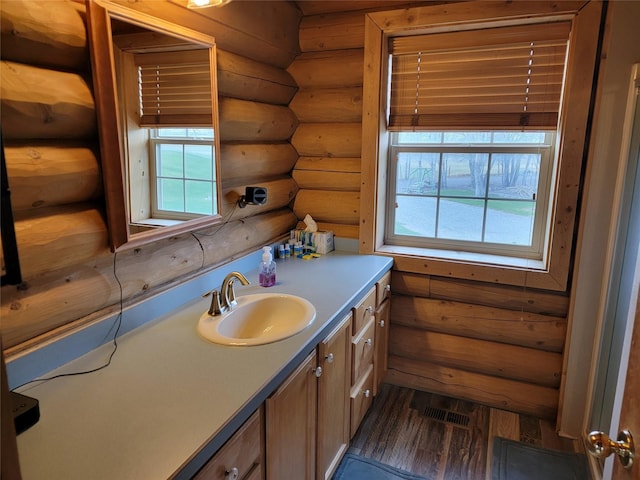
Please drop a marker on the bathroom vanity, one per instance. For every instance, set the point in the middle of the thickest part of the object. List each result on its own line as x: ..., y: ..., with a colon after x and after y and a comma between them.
x: 172, y: 402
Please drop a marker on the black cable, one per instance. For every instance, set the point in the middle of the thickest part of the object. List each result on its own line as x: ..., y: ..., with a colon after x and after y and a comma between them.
x: 117, y: 323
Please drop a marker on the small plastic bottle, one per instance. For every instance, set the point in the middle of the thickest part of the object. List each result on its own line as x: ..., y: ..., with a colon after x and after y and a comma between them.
x: 267, y: 276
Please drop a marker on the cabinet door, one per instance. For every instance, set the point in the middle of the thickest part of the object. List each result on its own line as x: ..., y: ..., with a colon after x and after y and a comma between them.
x: 382, y: 345
x: 291, y: 425
x: 363, y: 311
x: 334, y: 356
x: 241, y: 457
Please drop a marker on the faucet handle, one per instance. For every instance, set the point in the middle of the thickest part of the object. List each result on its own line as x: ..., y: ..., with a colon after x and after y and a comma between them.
x: 216, y: 308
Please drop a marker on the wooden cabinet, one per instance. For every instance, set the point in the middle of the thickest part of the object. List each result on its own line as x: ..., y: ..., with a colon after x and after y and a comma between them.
x: 363, y: 311
x: 363, y: 344
x: 361, y: 399
x: 312, y: 416
x: 381, y: 353
x: 291, y: 425
x: 308, y: 416
x: 333, y: 399
x: 383, y: 310
x: 242, y: 457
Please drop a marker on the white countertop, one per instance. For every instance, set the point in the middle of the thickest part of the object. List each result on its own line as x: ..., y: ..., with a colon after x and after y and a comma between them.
x: 168, y: 393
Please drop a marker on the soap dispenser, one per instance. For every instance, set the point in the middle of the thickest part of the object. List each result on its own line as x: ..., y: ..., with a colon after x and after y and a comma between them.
x: 267, y: 268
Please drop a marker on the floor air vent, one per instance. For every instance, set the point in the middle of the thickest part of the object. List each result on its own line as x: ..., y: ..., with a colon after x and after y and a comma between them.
x: 446, y: 416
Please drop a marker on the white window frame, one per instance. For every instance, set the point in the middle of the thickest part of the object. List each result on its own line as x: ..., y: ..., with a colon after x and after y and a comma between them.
x: 154, y: 141
x: 542, y: 197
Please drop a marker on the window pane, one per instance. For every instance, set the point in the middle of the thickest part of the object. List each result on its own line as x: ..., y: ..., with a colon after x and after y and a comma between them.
x: 514, y: 176
x: 417, y: 173
x: 198, y: 162
x: 415, y: 216
x: 519, y: 137
x: 419, y: 137
x: 510, y: 222
x: 171, y: 132
x: 169, y: 160
x: 464, y: 138
x: 464, y: 174
x: 461, y: 219
x: 206, y: 133
x: 170, y: 194
x: 199, y: 197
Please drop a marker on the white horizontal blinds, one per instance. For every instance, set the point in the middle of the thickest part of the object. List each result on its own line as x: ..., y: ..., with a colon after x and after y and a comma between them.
x: 497, y: 78
x: 174, y: 88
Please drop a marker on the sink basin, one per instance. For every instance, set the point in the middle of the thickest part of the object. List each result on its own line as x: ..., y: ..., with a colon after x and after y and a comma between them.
x: 258, y: 319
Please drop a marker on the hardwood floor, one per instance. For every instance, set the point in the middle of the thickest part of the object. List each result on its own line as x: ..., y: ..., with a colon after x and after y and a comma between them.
x: 443, y: 438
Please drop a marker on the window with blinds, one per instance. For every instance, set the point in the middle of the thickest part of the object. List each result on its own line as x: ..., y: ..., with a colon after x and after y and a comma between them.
x: 174, y: 89
x: 507, y: 78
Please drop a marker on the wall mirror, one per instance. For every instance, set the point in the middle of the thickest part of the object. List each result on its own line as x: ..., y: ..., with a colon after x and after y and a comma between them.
x: 156, y: 99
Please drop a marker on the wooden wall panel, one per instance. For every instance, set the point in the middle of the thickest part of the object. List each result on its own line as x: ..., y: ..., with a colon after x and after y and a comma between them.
x: 333, y: 105
x: 31, y: 35
x: 482, y: 293
x: 318, y: 180
x: 48, y: 175
x: 534, y: 400
x: 332, y: 32
x: 496, y: 359
x: 246, y: 161
x: 246, y: 121
x: 329, y: 164
x: 328, y: 139
x: 240, y: 77
x: 57, y: 237
x: 340, y: 68
x: 328, y: 206
x: 64, y: 109
x: 476, y: 321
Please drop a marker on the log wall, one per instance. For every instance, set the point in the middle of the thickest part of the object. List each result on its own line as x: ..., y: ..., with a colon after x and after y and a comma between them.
x: 494, y: 344
x: 289, y: 121
x: 51, y: 143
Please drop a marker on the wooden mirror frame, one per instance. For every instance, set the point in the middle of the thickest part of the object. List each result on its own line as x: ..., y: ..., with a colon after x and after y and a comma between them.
x: 99, y: 16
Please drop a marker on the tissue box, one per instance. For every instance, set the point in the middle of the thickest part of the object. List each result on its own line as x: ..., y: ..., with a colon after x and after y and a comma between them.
x: 322, y: 241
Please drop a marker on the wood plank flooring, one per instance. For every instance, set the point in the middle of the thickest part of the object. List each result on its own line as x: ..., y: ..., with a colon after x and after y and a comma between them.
x: 443, y: 438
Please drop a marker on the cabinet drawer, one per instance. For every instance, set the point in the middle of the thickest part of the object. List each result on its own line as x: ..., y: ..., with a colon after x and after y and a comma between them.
x: 362, y: 348
x: 363, y: 312
x: 361, y: 398
x: 242, y: 452
x: 383, y: 288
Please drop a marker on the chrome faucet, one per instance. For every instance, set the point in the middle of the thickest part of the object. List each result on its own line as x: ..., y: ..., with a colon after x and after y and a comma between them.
x: 226, y: 298
x: 227, y: 292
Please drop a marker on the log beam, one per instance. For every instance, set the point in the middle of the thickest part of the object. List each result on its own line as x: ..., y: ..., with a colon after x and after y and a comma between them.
x: 50, y: 175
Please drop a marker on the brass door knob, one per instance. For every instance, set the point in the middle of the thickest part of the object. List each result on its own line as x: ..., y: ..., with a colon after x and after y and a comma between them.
x: 601, y: 446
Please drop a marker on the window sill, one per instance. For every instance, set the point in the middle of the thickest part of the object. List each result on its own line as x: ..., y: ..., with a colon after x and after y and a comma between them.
x: 157, y: 222
x: 464, y: 265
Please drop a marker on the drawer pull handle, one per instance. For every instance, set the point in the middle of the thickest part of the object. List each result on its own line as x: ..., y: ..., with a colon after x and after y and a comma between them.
x: 381, y: 323
x: 329, y: 358
x: 368, y: 342
x: 317, y: 371
x: 369, y: 310
x: 366, y: 393
x: 387, y: 288
x: 232, y: 474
